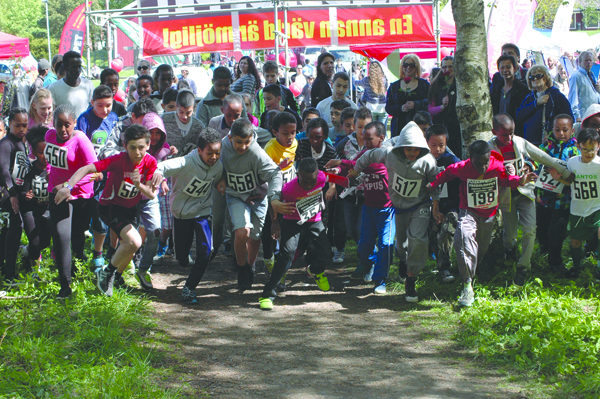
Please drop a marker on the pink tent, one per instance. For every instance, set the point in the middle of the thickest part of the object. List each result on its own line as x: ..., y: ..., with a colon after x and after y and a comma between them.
x: 13, y: 46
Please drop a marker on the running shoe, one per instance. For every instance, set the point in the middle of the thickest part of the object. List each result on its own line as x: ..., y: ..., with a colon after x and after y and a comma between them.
x: 467, y: 297
x: 106, y: 281
x: 411, y: 291
x: 338, y: 256
x: 188, y: 295
x: 320, y: 279
x: 265, y: 303
x: 145, y: 279
x: 446, y: 276
x: 380, y: 289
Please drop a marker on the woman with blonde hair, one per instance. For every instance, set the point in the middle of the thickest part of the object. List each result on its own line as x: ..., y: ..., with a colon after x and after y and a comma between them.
x: 41, y: 108
x: 376, y: 86
x: 408, y: 95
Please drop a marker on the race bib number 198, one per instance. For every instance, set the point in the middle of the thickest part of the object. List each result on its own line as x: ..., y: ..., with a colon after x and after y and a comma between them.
x: 482, y: 194
x: 406, y: 188
x: 241, y: 183
x: 56, y: 156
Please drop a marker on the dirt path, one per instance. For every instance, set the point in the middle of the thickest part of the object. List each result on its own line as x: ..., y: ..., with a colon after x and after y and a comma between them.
x: 346, y: 343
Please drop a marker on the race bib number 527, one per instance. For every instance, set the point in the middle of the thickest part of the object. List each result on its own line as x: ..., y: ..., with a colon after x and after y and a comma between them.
x: 482, y: 194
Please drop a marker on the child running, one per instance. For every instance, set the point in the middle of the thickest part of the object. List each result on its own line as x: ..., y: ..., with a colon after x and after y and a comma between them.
x: 193, y: 178
x: 128, y: 173
x: 480, y: 177
x: 301, y: 203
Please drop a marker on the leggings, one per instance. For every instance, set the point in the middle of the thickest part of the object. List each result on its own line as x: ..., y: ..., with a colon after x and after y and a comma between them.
x: 38, y: 230
x: 10, y: 242
x: 69, y: 221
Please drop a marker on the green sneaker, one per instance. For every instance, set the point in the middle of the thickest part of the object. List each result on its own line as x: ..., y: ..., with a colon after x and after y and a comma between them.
x: 320, y: 279
x: 269, y: 265
x: 265, y: 303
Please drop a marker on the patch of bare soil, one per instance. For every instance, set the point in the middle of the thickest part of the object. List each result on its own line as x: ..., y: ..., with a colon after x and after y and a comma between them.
x: 345, y: 343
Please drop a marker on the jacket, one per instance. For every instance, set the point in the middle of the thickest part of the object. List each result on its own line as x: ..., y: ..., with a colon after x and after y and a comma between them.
x: 563, y: 151
x: 419, y: 172
x: 518, y: 92
x: 396, y: 99
x: 320, y: 91
x: 582, y: 93
x: 210, y: 106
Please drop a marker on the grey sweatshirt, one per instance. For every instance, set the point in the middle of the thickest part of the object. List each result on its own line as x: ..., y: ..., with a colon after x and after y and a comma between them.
x: 249, y: 173
x: 407, y: 180
x: 192, y: 184
x: 174, y: 137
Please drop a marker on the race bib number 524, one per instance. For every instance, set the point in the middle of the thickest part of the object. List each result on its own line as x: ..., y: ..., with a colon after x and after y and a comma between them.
x: 482, y: 194
x: 241, y: 183
x: 56, y: 156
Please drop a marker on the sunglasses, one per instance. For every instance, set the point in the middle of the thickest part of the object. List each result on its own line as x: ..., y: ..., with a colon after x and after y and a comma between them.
x: 142, y: 67
x: 405, y: 65
x: 538, y: 76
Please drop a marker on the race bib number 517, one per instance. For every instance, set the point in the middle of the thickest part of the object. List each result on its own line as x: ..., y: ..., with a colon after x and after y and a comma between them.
x: 482, y: 194
x: 406, y: 188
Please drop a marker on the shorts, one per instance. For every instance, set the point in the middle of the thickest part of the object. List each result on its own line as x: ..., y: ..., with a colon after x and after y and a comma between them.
x: 584, y: 228
x: 118, y: 217
x: 245, y: 215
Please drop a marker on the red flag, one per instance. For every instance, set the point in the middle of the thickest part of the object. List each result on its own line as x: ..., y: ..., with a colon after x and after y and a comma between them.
x: 73, y: 33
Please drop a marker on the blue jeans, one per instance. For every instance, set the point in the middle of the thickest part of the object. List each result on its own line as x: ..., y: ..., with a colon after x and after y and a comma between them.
x: 378, y: 223
x: 150, y: 219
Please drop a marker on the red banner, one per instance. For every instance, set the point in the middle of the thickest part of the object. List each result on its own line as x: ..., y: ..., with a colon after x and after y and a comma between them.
x: 73, y: 33
x: 306, y: 27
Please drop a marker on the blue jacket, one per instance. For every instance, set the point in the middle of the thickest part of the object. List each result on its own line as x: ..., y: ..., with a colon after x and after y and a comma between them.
x: 531, y: 113
x: 582, y: 92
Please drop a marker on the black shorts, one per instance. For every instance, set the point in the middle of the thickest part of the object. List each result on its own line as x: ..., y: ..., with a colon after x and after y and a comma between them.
x: 117, y: 217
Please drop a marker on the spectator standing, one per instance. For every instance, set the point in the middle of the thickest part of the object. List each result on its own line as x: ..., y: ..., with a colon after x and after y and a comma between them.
x: 321, y: 88
x: 374, y: 96
x: 72, y: 89
x: 248, y: 81
x: 38, y: 83
x: 52, y: 75
x: 584, y: 90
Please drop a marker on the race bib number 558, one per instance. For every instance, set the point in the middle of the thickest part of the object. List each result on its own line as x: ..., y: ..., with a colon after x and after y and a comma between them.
x: 241, y: 183
x: 482, y: 194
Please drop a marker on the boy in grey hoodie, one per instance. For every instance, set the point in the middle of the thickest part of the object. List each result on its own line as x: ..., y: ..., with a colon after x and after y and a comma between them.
x: 248, y: 170
x: 193, y: 178
x: 410, y: 168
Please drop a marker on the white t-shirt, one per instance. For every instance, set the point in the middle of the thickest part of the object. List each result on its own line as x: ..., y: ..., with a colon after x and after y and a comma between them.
x: 324, y: 108
x: 78, y: 97
x: 585, y: 190
x: 183, y: 129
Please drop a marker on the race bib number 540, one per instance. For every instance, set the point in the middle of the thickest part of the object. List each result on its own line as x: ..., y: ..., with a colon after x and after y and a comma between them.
x: 482, y: 194
x: 241, y: 183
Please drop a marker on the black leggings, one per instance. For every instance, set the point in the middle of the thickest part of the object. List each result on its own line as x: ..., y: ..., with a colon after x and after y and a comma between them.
x: 69, y: 222
x: 10, y: 242
x: 38, y: 231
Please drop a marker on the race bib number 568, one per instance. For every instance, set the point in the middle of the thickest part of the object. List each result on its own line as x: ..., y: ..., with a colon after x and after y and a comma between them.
x: 482, y: 194
x: 241, y: 183
x: 585, y: 190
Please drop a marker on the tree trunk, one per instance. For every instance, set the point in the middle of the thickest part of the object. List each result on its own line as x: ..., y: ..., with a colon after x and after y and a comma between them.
x: 473, y: 104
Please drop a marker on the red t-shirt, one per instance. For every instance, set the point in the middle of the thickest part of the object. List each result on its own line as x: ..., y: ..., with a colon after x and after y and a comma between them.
x: 119, y: 189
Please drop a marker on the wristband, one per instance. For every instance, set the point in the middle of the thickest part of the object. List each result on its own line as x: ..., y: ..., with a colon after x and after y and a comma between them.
x: 67, y: 185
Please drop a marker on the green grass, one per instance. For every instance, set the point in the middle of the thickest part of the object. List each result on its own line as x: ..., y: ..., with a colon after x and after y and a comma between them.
x: 89, y: 346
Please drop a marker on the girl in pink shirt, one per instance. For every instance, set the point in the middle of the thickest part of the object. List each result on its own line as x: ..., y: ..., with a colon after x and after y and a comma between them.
x: 66, y: 151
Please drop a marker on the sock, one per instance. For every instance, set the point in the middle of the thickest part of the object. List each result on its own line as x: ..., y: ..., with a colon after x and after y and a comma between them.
x: 97, y: 254
x: 111, y: 268
x: 118, y: 276
x: 577, y: 255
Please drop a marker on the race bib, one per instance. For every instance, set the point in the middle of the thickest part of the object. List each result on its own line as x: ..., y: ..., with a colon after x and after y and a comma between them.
x: 517, y: 164
x: 20, y: 168
x: 444, y: 192
x: 406, y: 188
x: 586, y: 190
x: 310, y: 206
x: 128, y: 190
x: 482, y: 194
x: 39, y: 186
x: 241, y: 183
x: 98, y: 139
x: 198, y: 188
x: 56, y: 156
x: 289, y: 174
x: 546, y: 182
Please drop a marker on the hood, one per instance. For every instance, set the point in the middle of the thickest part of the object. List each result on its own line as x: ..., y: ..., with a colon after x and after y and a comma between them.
x: 153, y: 121
x: 496, y: 160
x: 411, y: 136
x: 591, y: 111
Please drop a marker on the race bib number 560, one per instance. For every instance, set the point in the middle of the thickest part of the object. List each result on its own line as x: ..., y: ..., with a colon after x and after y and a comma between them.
x: 406, y: 188
x: 482, y: 194
x: 56, y: 156
x: 241, y: 183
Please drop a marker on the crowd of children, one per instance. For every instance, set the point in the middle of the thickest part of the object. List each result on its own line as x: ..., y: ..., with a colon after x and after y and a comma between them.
x: 147, y: 181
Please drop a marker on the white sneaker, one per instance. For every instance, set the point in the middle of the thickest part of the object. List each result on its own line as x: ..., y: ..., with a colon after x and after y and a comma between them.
x: 380, y: 289
x: 467, y: 297
x: 338, y: 256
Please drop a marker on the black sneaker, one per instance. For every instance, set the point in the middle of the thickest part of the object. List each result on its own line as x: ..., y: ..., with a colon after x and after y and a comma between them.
x: 510, y: 255
x: 106, y: 281
x: 402, y: 271
x: 64, y: 293
x: 446, y: 276
x: 109, y: 253
x: 520, y: 276
x: 120, y: 282
x: 245, y: 277
x: 188, y: 295
x: 411, y: 291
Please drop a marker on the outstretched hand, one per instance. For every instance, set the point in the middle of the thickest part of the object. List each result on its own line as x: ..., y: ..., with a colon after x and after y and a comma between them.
x: 527, y: 178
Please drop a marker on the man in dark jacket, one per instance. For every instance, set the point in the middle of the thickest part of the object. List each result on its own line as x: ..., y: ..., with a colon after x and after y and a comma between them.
x: 520, y: 73
x: 510, y: 92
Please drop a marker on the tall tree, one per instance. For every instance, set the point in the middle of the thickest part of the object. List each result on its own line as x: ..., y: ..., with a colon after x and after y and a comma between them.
x: 471, y: 72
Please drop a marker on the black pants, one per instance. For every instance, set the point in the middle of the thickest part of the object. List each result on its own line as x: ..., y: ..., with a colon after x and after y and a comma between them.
x: 69, y: 222
x: 38, y: 231
x: 270, y: 246
x: 184, y: 231
x: 290, y: 232
x: 10, y: 242
x: 333, y: 218
x: 552, y: 232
